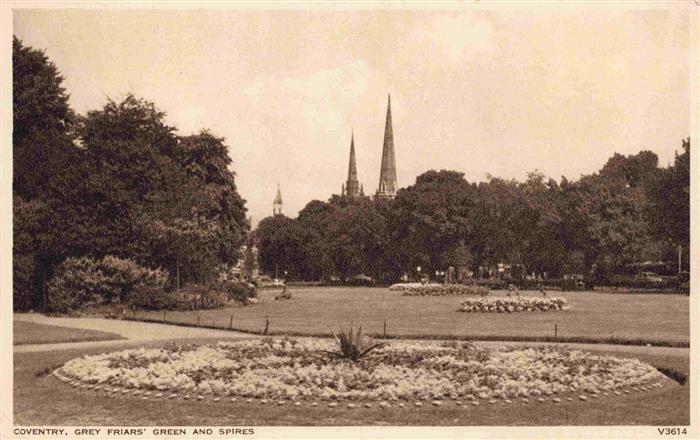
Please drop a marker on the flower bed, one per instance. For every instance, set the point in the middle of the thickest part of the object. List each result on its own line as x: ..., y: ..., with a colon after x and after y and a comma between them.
x: 417, y: 289
x: 512, y: 304
x: 298, y: 369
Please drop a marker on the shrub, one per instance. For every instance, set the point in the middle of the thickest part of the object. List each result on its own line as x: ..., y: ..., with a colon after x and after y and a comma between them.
x: 495, y: 284
x: 77, y: 282
x: 81, y: 282
x: 151, y: 298
x: 123, y: 275
x: 569, y: 284
x: 631, y: 282
x: 549, y: 283
x: 236, y: 290
x: 198, y: 296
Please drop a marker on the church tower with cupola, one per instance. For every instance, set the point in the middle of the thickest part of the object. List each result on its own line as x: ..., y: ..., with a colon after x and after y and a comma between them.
x: 387, y: 173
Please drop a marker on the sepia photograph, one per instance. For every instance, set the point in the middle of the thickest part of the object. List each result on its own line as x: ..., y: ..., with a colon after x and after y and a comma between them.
x: 257, y: 220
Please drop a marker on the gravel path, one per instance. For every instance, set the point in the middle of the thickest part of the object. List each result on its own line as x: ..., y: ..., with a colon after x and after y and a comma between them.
x: 137, y: 332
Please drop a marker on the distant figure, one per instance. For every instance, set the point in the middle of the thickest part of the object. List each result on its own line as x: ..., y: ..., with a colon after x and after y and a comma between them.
x: 284, y: 294
x: 542, y: 291
x: 513, y: 289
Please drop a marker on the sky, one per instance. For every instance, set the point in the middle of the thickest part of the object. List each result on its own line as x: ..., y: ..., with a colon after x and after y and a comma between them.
x: 499, y: 92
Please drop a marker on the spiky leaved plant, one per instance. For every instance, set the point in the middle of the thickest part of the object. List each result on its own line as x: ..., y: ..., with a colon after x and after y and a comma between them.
x: 353, y: 345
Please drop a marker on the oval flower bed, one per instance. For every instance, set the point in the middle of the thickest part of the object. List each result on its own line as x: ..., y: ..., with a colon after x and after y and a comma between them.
x: 417, y: 289
x: 512, y: 304
x: 299, y: 369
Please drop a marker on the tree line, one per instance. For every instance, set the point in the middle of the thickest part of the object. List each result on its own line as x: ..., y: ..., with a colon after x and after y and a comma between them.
x: 116, y: 181
x: 630, y: 211
x: 119, y: 181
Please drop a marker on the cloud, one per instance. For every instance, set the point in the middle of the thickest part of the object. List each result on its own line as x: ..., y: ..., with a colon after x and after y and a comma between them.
x: 457, y: 36
x: 189, y: 119
x: 319, y: 99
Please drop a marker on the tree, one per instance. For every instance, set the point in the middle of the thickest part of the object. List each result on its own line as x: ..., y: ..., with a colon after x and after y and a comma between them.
x: 615, y: 220
x: 432, y: 217
x: 357, y: 239
x: 670, y: 205
x: 42, y: 120
x: 116, y: 181
x: 46, y: 165
x: 206, y: 161
x: 280, y: 246
x: 316, y: 221
x: 166, y: 200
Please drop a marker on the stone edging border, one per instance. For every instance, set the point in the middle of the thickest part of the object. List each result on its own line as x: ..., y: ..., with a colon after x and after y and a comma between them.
x: 470, y: 400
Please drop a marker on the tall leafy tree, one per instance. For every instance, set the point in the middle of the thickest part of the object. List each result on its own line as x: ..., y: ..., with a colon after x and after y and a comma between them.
x: 281, y: 247
x: 357, y: 240
x: 46, y: 167
x: 207, y: 163
x: 42, y: 121
x: 431, y: 218
x: 670, y: 205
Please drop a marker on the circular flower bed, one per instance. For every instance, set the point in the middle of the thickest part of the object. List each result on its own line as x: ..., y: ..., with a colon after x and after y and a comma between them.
x: 418, y: 289
x: 512, y: 304
x: 299, y: 369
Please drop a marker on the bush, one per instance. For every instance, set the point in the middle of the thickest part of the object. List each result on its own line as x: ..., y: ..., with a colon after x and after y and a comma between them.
x: 549, y: 283
x: 236, y: 290
x: 495, y: 284
x: 152, y: 298
x: 81, y: 282
x: 123, y: 275
x: 77, y: 282
x: 631, y: 282
x: 188, y: 297
x: 198, y: 296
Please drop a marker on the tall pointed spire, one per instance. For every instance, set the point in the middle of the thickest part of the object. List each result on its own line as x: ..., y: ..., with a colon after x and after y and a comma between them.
x: 277, y: 204
x: 352, y: 168
x: 387, y: 174
x: 352, y: 186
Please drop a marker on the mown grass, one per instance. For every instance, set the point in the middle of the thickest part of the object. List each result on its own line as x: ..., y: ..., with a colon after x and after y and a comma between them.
x: 24, y: 332
x: 661, y: 319
x: 40, y: 399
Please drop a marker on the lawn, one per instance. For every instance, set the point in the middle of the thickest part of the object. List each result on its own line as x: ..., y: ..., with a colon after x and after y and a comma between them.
x: 25, y: 332
x: 40, y: 399
x: 594, y: 317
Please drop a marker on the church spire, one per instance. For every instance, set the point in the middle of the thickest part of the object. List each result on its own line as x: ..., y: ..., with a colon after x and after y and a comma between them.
x: 277, y: 204
x: 352, y: 186
x: 387, y: 175
x: 352, y: 168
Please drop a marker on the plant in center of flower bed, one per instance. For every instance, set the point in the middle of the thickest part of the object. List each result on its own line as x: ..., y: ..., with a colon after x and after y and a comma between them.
x: 300, y: 369
x: 512, y: 304
x: 353, y: 345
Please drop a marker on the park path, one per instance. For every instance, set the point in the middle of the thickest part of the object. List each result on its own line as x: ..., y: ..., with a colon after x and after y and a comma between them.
x: 133, y: 331
x: 137, y: 332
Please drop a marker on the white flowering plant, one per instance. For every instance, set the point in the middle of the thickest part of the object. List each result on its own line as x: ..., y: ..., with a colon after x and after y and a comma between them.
x: 288, y: 368
x: 513, y: 304
x: 434, y: 289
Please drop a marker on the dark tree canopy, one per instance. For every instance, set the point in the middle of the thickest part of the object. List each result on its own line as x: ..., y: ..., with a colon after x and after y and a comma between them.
x: 630, y: 211
x: 42, y: 121
x: 116, y: 181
